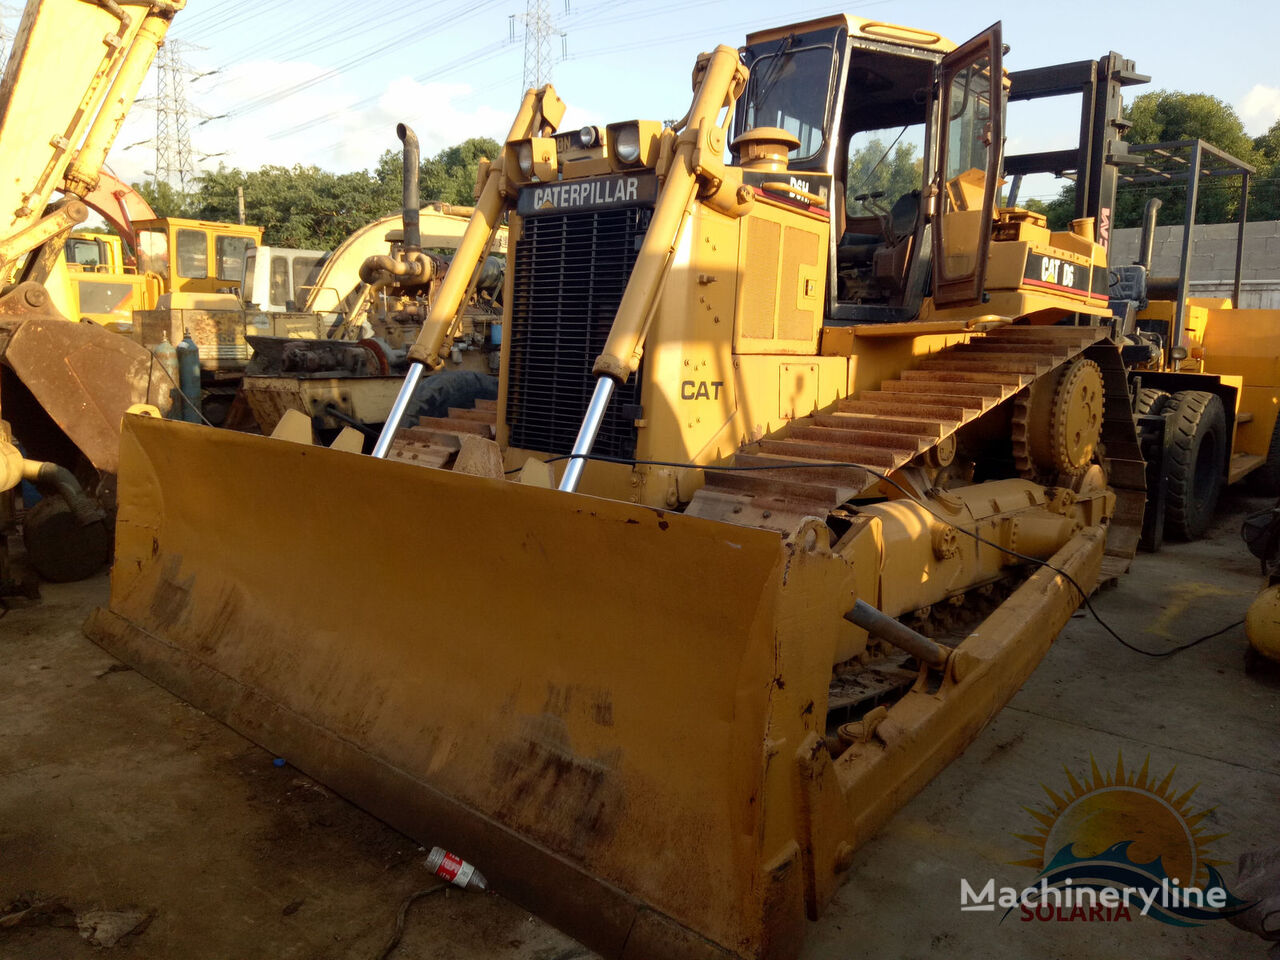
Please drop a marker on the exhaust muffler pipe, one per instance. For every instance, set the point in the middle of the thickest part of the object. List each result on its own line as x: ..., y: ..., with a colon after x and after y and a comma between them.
x: 412, y: 228
x: 1147, y: 244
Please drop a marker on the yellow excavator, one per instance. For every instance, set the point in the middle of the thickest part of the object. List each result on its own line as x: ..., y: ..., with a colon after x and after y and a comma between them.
x: 780, y: 501
x: 71, y: 77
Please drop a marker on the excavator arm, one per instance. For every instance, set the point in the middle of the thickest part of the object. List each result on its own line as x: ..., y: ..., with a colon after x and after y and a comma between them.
x: 73, y: 74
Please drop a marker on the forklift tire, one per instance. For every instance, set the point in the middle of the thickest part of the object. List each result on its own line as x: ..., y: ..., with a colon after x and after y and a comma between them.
x: 1196, y: 465
x: 1150, y: 400
x: 1266, y: 479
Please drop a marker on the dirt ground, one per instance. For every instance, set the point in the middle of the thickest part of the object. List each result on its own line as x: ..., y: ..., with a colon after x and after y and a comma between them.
x: 116, y: 796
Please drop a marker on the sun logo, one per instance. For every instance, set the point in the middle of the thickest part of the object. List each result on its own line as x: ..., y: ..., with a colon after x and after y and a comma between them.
x: 1127, y: 831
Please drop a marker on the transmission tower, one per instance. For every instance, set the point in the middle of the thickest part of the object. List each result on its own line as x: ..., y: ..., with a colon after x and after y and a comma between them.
x: 174, y: 162
x: 540, y: 33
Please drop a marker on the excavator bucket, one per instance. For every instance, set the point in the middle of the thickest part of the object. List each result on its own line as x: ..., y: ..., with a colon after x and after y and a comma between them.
x: 80, y: 376
x: 616, y: 712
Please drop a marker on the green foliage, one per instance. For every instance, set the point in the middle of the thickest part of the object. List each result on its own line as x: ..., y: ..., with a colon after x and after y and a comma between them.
x: 307, y: 207
x: 164, y: 200
x: 873, y: 168
x: 1164, y: 115
x: 1264, y: 198
x: 295, y: 206
x: 449, y: 176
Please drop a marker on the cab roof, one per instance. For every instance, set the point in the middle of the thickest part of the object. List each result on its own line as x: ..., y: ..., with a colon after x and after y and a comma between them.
x: 867, y: 29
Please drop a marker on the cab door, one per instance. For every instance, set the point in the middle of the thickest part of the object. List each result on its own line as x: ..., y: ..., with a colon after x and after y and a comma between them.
x: 966, y: 174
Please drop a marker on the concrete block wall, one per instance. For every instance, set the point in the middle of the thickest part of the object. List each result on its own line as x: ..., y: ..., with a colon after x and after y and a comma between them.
x: 1213, y: 259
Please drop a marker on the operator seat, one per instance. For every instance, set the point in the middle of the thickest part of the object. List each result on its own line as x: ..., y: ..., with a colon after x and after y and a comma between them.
x: 858, y: 249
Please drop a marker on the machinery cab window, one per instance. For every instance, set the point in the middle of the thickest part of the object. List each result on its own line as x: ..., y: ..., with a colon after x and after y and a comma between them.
x: 230, y: 253
x: 86, y: 252
x: 790, y: 88
x: 305, y: 272
x: 970, y: 144
x: 279, y: 281
x: 881, y: 177
x: 193, y: 254
x: 153, y: 252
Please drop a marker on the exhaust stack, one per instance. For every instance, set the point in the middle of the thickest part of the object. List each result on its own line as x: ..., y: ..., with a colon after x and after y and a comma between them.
x: 412, y: 230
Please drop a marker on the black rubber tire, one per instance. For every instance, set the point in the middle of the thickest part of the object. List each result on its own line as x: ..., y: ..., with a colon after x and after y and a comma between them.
x: 1266, y: 479
x: 1196, y: 445
x: 59, y: 548
x: 1150, y: 400
x: 449, y: 388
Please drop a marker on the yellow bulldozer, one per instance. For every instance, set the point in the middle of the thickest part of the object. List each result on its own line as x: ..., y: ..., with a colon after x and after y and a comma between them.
x: 777, y: 506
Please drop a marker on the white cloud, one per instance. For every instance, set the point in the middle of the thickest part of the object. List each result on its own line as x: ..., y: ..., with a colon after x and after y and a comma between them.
x: 1260, y: 108
x: 335, y: 132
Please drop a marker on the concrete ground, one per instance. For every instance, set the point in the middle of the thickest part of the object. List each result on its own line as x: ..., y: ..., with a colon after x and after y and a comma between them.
x: 116, y: 796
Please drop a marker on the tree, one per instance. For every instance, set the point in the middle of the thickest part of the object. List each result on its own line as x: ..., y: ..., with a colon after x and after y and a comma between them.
x: 1165, y: 115
x: 449, y: 176
x: 164, y: 200
x: 1264, y: 198
x: 296, y: 206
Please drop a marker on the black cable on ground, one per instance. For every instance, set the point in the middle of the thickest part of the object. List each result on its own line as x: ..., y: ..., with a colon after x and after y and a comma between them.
x: 400, y: 918
x: 827, y: 465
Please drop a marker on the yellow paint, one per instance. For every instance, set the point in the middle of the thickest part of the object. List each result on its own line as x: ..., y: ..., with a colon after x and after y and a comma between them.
x: 1185, y: 595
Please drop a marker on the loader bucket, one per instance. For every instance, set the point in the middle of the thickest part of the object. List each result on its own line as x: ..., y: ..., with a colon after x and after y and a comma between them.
x: 597, y: 703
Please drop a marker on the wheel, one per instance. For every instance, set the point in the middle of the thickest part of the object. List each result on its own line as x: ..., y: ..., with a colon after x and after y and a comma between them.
x: 1150, y: 400
x: 58, y: 547
x: 1266, y: 479
x: 1196, y: 451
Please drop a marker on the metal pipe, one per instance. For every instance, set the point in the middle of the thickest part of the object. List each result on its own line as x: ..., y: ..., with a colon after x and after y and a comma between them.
x: 1244, y: 219
x: 1147, y: 244
x: 403, y: 399
x: 587, y: 433
x: 60, y: 481
x: 475, y: 241
x: 1188, y: 241
x: 412, y: 231
x: 886, y: 628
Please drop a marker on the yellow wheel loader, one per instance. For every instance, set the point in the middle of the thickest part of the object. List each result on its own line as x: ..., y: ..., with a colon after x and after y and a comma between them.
x: 73, y: 73
x: 778, y: 504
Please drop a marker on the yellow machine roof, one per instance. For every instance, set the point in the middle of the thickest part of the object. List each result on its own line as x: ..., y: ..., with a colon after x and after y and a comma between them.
x: 869, y: 29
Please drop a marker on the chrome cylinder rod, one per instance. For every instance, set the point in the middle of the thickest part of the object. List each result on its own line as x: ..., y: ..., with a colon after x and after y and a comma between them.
x: 587, y: 433
x: 403, y: 399
x: 899, y: 634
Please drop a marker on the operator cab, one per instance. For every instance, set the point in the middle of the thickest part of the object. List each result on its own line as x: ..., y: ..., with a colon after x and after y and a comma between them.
x: 887, y: 118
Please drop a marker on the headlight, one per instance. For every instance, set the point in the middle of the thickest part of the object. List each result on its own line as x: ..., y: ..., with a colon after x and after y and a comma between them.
x: 626, y: 145
x: 587, y: 137
x: 524, y: 157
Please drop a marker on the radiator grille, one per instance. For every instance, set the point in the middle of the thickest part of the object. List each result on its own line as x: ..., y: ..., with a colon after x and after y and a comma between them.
x: 570, y: 273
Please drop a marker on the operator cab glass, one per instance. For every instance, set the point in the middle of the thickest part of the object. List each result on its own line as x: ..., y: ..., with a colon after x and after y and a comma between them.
x: 882, y: 126
x: 790, y: 87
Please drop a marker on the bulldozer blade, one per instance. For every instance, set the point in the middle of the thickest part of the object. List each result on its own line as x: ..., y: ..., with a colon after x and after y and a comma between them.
x: 83, y: 376
x: 617, y: 713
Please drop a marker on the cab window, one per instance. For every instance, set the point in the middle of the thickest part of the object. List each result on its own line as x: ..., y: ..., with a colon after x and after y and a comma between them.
x: 229, y: 253
x: 305, y: 270
x: 85, y: 252
x: 153, y: 252
x: 279, y: 281
x: 193, y: 255
x: 790, y: 89
x: 246, y: 289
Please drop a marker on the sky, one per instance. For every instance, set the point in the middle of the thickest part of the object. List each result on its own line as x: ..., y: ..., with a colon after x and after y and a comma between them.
x: 324, y: 82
